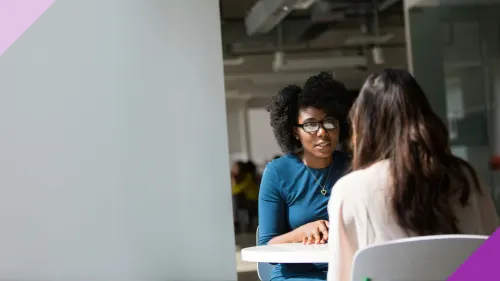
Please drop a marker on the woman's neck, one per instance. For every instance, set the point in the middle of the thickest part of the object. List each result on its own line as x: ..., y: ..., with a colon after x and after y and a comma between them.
x: 315, y: 162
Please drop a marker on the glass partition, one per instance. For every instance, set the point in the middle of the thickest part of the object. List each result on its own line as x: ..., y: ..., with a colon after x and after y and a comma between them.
x: 455, y: 55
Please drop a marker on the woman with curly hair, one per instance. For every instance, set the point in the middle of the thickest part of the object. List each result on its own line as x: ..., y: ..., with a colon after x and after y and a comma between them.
x: 308, y: 125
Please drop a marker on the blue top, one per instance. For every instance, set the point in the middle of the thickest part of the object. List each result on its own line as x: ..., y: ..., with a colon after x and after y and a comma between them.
x: 290, y: 197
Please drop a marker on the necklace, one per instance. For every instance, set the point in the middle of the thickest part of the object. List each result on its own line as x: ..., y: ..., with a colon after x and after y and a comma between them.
x: 323, y: 187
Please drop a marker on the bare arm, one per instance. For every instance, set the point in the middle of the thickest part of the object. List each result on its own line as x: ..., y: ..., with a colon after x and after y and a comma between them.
x: 293, y: 236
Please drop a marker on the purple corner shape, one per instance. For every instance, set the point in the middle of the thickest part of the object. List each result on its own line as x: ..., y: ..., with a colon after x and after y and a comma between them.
x: 16, y: 16
x: 483, y: 264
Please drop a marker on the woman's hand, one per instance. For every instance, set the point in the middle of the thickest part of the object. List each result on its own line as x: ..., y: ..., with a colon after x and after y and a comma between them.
x: 314, y: 232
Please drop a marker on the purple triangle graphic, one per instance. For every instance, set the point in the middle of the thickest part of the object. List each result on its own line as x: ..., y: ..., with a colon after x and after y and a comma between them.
x: 16, y: 16
x: 483, y: 264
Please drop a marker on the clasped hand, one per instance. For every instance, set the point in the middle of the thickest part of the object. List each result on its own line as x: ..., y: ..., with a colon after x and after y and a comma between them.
x: 315, y: 232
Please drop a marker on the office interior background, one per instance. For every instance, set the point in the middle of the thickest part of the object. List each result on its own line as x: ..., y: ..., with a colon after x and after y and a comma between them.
x: 120, y: 118
x: 452, y: 47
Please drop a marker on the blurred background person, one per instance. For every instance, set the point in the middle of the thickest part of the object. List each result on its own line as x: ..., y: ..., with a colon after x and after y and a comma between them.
x: 237, y: 177
x: 245, y: 191
x: 251, y: 190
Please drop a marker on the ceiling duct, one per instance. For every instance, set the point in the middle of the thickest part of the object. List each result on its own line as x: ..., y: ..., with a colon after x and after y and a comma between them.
x: 325, y: 11
x: 323, y: 17
x: 266, y: 14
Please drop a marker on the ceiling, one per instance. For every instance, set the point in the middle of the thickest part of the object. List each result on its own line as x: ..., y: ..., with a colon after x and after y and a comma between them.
x: 315, y: 39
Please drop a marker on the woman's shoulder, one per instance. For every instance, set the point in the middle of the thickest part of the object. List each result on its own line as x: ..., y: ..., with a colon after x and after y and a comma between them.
x: 363, y: 188
x: 372, y: 177
x: 273, y: 176
x: 284, y: 164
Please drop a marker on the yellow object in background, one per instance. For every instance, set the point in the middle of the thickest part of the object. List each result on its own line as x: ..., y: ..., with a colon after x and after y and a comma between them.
x: 248, y: 186
x: 251, y: 188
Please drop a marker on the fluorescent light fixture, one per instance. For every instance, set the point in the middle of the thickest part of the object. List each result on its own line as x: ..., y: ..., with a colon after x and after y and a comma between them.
x: 325, y: 63
x: 268, y: 79
x: 234, y: 61
x: 368, y: 39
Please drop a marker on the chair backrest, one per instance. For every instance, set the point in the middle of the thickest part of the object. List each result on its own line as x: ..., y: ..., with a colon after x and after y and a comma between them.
x: 264, y: 270
x: 427, y: 258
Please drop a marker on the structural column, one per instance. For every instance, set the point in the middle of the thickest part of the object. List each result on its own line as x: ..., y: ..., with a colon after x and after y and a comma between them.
x: 113, y: 144
x: 245, y: 130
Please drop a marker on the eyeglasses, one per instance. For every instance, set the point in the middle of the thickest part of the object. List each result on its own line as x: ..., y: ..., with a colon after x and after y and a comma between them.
x: 312, y: 127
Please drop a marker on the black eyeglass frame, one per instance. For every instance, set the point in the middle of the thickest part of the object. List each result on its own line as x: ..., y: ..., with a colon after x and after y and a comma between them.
x: 320, y: 124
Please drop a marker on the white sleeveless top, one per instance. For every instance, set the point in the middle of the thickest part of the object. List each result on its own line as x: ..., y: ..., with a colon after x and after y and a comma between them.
x: 360, y: 215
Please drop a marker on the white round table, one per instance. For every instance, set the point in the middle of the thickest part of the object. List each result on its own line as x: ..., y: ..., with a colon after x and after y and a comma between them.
x: 286, y: 253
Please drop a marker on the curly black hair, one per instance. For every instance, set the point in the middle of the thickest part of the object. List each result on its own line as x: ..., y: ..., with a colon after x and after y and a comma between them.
x: 321, y: 91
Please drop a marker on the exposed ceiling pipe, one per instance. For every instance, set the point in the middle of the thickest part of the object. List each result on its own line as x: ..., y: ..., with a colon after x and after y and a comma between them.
x: 328, y: 14
x: 384, y: 5
x: 323, y: 18
x: 280, y: 63
x: 233, y: 32
x: 265, y: 15
x: 271, y: 49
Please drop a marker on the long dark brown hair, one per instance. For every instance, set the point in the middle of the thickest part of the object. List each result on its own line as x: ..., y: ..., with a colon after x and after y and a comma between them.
x: 393, y: 120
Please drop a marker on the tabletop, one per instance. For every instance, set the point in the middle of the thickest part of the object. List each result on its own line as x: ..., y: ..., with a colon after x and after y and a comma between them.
x: 287, y: 253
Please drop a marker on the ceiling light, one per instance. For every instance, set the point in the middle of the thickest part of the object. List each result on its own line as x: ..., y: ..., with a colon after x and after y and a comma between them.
x: 234, y: 61
x: 323, y: 63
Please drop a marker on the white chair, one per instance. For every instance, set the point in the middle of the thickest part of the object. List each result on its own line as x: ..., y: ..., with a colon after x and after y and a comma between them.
x: 427, y: 258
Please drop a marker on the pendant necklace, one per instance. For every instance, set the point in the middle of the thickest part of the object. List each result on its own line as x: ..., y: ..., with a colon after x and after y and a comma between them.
x: 323, y: 187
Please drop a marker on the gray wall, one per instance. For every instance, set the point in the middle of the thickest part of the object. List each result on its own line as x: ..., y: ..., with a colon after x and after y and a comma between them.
x: 114, y: 159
